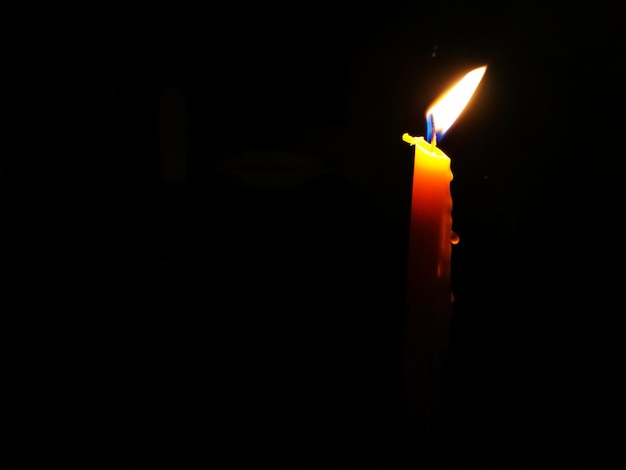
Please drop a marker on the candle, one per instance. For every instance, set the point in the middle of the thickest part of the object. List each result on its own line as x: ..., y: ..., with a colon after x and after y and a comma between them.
x: 429, y: 296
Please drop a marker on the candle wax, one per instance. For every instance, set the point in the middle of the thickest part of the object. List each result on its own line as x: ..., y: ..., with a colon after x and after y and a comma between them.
x: 428, y: 277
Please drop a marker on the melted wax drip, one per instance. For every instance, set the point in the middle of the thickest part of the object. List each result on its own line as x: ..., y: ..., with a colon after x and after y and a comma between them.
x: 454, y: 239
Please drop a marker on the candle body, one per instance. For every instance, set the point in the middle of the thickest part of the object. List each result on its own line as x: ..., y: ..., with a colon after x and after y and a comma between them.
x: 429, y: 302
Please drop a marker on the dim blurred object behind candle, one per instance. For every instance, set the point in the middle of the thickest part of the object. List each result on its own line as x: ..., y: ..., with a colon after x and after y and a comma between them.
x: 172, y: 137
x: 429, y: 296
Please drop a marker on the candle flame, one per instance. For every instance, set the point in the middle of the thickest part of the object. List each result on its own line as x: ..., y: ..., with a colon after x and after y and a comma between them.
x: 442, y: 114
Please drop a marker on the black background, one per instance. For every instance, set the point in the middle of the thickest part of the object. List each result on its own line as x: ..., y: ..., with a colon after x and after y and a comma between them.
x: 223, y: 323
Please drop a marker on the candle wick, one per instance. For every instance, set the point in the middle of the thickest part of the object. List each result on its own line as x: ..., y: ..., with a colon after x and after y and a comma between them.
x: 431, y: 133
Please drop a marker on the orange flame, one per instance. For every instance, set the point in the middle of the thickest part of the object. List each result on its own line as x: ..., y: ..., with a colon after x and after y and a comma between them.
x: 449, y: 106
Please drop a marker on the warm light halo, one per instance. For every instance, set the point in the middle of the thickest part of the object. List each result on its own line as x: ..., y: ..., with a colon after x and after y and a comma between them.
x: 449, y: 106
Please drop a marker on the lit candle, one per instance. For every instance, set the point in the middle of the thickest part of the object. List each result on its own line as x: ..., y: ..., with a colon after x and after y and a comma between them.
x: 429, y: 296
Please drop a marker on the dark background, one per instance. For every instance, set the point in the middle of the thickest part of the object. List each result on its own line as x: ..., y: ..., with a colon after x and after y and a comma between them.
x: 220, y: 322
